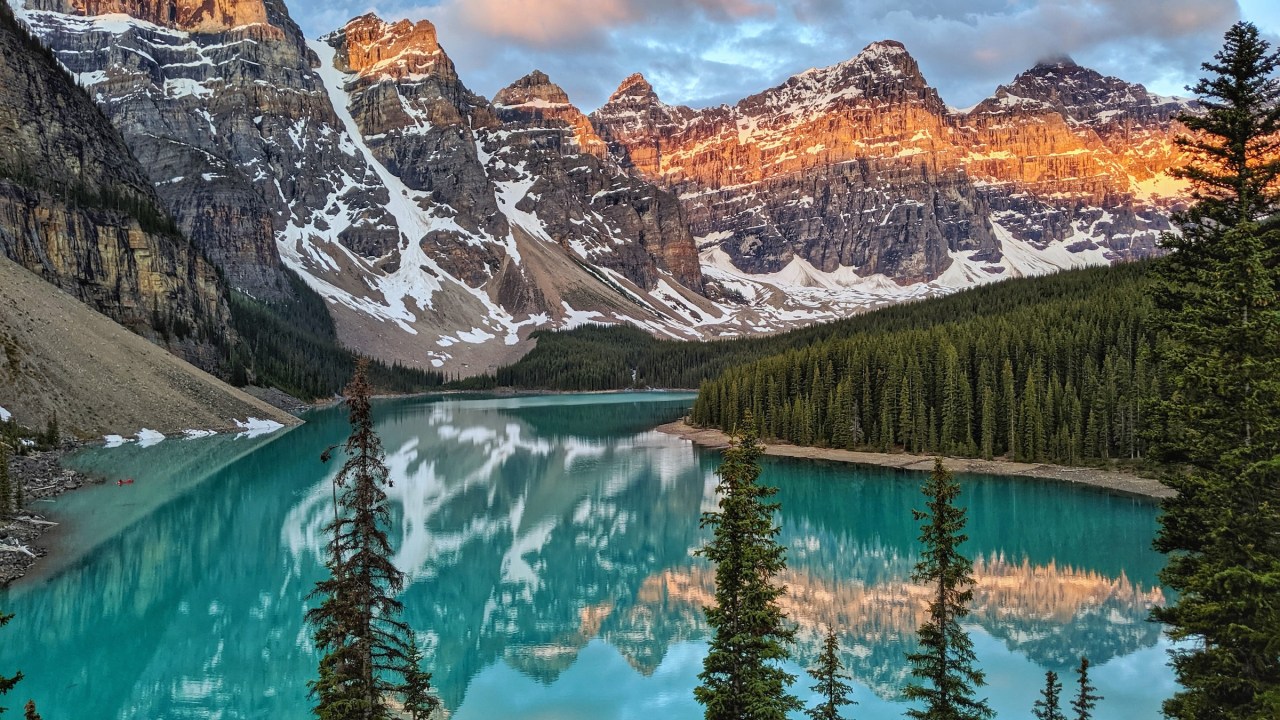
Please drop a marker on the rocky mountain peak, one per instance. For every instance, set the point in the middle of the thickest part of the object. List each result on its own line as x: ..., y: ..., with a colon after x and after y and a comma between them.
x: 370, y: 45
x: 883, y: 71
x: 1080, y: 94
x: 532, y: 89
x: 204, y: 16
x: 534, y: 99
x: 634, y: 90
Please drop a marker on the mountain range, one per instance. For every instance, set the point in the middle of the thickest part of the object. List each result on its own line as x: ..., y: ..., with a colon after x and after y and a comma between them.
x: 443, y: 228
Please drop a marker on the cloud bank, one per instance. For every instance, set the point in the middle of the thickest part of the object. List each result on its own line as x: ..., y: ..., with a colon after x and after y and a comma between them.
x: 703, y: 52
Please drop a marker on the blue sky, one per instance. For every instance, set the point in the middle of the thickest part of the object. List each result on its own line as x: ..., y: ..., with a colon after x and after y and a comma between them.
x: 702, y: 52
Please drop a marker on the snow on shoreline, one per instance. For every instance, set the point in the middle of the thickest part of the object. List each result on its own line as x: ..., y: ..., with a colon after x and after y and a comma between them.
x: 253, y: 427
x: 148, y: 437
x: 5, y: 415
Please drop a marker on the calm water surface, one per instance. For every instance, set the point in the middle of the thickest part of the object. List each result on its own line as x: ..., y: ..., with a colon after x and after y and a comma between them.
x: 549, y: 544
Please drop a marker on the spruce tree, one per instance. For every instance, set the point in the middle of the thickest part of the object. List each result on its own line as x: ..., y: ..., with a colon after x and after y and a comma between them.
x: 1086, y: 694
x: 945, y: 678
x: 1218, y: 299
x: 829, y: 682
x: 7, y: 683
x: 1049, y: 707
x: 740, y: 676
x: 418, y: 702
x: 29, y: 712
x: 357, y: 624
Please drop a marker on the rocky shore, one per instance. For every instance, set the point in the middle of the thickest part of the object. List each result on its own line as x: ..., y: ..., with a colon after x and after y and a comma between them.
x: 1110, y: 480
x: 41, y: 476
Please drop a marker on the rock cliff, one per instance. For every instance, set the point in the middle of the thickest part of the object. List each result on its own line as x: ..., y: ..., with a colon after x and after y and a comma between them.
x: 860, y: 169
x: 77, y: 210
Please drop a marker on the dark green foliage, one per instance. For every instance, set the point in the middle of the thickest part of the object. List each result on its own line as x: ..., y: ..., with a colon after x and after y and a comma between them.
x: 945, y: 678
x: 418, y: 703
x: 1059, y: 369
x: 291, y: 344
x: 6, y: 482
x: 1086, y: 694
x: 1049, y: 706
x: 740, y: 676
x: 52, y: 435
x: 7, y: 683
x: 828, y: 676
x: 1218, y: 301
x: 357, y: 624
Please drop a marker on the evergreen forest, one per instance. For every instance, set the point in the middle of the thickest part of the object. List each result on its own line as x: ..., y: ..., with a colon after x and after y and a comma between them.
x: 1064, y: 373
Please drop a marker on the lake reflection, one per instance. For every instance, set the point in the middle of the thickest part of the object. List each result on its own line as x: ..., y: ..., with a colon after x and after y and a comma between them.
x: 549, y: 543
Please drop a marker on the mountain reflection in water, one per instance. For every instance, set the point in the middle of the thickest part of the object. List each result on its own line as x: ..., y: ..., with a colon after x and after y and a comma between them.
x: 532, y: 531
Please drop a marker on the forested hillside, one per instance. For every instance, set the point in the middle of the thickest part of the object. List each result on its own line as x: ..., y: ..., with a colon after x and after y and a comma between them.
x: 1054, y: 369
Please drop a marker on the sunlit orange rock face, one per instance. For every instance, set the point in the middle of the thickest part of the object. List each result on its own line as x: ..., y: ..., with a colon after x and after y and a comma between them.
x: 534, y: 98
x: 862, y: 165
x: 193, y: 15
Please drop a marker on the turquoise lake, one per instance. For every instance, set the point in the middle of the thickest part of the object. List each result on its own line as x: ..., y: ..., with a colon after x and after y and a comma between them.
x: 549, y: 547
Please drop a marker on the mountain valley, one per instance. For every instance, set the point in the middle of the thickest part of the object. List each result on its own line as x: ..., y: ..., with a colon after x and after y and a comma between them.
x: 443, y: 228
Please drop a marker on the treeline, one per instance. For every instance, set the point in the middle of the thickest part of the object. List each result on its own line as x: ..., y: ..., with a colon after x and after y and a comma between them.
x: 1062, y: 373
x: 292, y: 344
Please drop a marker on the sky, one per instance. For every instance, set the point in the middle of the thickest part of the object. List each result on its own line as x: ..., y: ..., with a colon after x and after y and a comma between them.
x: 705, y: 52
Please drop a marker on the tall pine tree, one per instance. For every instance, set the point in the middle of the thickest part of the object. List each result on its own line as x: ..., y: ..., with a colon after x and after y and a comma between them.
x: 828, y: 677
x: 357, y: 624
x: 740, y: 677
x: 945, y: 678
x: 1218, y: 298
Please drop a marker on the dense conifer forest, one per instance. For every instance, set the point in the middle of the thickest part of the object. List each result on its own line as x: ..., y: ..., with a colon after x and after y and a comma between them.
x: 1061, y: 373
x: 1052, y: 369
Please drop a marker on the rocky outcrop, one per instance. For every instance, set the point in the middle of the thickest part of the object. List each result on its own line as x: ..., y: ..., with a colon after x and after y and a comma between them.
x: 1069, y: 155
x: 530, y: 160
x: 194, y: 15
x: 77, y: 210
x: 535, y: 99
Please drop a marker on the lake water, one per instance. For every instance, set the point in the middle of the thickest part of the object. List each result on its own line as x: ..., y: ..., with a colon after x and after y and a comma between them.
x: 549, y: 544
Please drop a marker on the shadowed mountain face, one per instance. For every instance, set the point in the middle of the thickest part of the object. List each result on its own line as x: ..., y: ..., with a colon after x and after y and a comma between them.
x: 533, y: 529
x: 78, y: 210
x: 441, y: 234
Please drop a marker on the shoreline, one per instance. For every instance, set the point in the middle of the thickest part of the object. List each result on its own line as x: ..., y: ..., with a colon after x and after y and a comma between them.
x: 42, y: 477
x: 1115, y: 481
